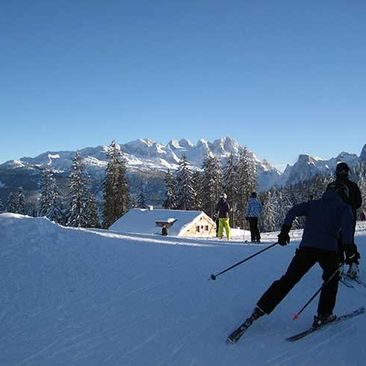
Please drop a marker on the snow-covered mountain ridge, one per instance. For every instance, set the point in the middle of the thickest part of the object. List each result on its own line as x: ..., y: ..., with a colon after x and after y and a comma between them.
x: 148, y: 156
x: 307, y: 166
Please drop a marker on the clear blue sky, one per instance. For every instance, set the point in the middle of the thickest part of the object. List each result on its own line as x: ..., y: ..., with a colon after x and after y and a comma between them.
x: 281, y: 77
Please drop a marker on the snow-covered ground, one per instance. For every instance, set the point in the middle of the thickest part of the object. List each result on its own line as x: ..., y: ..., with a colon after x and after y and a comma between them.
x: 92, y: 297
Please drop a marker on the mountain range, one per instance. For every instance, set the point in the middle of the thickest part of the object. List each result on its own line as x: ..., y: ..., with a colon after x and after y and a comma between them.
x: 146, y: 160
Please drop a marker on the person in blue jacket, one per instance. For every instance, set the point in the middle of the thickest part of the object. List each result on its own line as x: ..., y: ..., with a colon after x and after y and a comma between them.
x: 254, y: 209
x: 324, y: 218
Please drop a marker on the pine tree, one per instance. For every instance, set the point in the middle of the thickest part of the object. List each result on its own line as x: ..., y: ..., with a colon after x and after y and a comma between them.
x: 50, y: 200
x: 116, y: 198
x: 21, y: 201
x: 2, y: 208
x: 78, y: 193
x: 91, y: 212
x: 268, y: 216
x: 361, y: 174
x: 184, y: 187
x: 11, y: 203
x: 246, y: 180
x: 198, y: 191
x: 141, y: 201
x: 16, y: 202
x: 230, y: 187
x: 170, y: 194
x: 211, y: 184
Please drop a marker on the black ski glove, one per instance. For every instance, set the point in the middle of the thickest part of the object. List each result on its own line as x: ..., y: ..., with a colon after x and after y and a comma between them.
x: 351, y: 253
x: 284, y: 237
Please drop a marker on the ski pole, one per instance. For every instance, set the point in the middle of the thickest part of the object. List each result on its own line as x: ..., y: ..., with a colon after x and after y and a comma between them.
x: 296, y: 316
x: 213, y: 276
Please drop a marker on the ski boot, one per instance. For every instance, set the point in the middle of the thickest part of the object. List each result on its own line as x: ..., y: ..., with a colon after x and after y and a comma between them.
x: 237, y: 333
x: 353, y: 271
x: 321, y: 319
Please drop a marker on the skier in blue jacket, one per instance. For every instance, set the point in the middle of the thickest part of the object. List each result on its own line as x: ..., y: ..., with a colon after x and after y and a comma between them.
x: 324, y: 218
x: 254, y: 209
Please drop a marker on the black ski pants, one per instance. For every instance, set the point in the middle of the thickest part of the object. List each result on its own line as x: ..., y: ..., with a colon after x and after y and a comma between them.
x: 301, y: 263
x: 254, y: 231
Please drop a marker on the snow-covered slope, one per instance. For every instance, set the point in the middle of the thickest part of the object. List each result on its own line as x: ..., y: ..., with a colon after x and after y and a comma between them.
x: 87, y: 297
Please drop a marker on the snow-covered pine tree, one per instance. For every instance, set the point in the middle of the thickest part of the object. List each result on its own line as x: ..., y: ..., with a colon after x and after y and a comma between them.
x: 184, y: 186
x: 78, y: 193
x: 2, y: 207
x: 11, y: 204
x: 16, y: 202
x: 170, y: 201
x: 211, y: 184
x: 361, y: 181
x: 21, y: 201
x: 231, y: 189
x: 91, y: 212
x: 197, y: 188
x: 268, y: 216
x: 50, y: 200
x: 281, y: 205
x: 116, y: 197
x: 246, y: 180
x: 141, y: 200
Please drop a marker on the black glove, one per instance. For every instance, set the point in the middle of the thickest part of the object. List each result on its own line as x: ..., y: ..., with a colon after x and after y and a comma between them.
x: 284, y: 237
x: 352, y: 255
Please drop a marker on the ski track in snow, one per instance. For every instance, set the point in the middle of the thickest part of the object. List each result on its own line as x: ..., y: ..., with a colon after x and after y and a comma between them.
x: 92, y: 297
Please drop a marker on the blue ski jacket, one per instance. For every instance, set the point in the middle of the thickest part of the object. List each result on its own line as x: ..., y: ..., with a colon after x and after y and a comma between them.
x: 254, y: 208
x: 324, y: 219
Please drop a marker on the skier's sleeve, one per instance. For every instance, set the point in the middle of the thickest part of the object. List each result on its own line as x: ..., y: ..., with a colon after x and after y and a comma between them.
x: 347, y: 225
x: 297, y: 210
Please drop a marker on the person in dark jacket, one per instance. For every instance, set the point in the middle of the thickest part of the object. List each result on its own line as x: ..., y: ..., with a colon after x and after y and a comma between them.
x: 350, y: 194
x: 223, y: 209
x: 254, y: 209
x: 324, y: 218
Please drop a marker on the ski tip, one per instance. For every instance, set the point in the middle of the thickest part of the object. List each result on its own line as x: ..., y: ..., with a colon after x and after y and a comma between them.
x: 295, y: 317
x: 230, y: 341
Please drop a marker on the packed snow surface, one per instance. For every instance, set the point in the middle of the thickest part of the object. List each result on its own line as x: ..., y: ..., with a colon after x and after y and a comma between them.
x: 93, y: 297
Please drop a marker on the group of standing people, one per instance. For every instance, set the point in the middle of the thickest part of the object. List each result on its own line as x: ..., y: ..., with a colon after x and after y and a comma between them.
x: 254, y: 209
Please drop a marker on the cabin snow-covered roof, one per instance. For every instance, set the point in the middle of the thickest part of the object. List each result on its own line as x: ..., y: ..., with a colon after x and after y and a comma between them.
x: 143, y: 221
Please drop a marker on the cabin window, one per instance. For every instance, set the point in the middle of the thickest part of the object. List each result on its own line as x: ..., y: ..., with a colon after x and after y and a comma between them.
x: 206, y: 227
x: 197, y: 229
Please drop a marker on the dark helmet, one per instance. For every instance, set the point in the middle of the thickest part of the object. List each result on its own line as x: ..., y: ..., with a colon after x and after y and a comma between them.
x: 342, y: 170
x: 342, y: 166
x: 253, y: 195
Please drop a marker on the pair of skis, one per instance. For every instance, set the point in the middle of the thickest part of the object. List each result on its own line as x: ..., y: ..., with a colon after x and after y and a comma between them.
x: 237, y: 333
x: 349, y: 281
